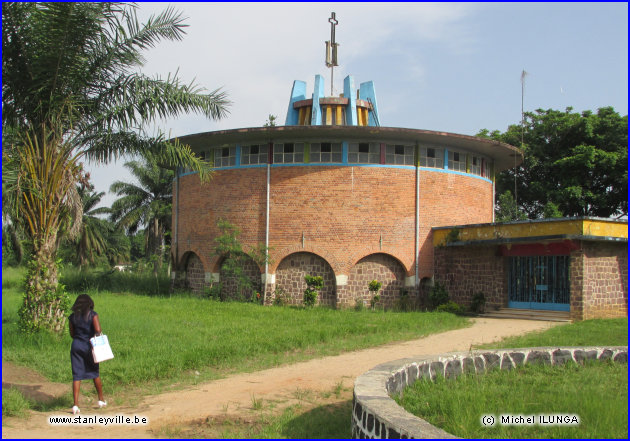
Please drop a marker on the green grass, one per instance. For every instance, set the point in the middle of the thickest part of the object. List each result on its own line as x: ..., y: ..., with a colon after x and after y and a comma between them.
x: 14, y: 403
x: 96, y: 280
x: 597, y: 394
x: 158, y: 341
x: 612, y: 332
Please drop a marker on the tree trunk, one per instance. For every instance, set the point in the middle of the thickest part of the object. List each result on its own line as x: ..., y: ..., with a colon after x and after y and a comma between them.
x: 45, y: 304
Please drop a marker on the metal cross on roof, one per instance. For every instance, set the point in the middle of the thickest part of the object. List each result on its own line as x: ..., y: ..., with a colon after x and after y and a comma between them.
x: 331, y: 49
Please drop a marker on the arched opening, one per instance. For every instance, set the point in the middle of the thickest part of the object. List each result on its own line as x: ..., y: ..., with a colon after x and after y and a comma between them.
x: 290, y: 278
x: 239, y: 277
x: 381, y: 267
x: 195, y: 274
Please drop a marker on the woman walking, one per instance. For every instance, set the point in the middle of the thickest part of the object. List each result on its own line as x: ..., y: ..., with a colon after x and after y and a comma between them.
x: 84, y: 325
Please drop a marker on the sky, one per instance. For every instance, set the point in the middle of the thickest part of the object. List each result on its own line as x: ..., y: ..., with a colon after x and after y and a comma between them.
x: 452, y: 67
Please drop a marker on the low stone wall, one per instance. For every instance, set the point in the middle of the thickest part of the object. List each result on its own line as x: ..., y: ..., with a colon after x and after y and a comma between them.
x: 376, y: 415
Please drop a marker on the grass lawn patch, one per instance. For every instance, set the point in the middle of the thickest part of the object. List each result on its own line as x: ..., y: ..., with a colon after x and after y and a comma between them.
x: 597, y: 332
x: 159, y: 341
x: 596, y: 392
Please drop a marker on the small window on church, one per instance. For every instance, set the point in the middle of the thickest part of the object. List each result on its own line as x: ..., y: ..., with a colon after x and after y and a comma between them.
x: 326, y: 152
x: 400, y: 154
x: 254, y: 154
x: 456, y: 161
x: 431, y: 157
x: 288, y: 153
x: 225, y: 157
x: 364, y: 153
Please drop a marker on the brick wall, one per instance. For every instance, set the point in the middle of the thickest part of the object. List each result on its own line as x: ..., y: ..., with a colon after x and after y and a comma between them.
x: 599, y: 281
x: 467, y: 270
x: 342, y: 214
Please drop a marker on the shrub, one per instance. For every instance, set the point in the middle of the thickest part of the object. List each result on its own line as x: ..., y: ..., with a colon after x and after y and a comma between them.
x: 404, y: 302
x: 213, y: 291
x: 314, y: 285
x: 438, y: 295
x: 478, y: 302
x: 358, y: 305
x: 451, y: 307
x: 280, y: 298
x: 374, y: 286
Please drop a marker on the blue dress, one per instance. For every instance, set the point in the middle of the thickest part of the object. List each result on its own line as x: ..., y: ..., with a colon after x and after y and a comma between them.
x: 83, y: 366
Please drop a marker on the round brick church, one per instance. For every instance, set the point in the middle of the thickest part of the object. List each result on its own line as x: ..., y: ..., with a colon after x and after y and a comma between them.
x: 331, y: 193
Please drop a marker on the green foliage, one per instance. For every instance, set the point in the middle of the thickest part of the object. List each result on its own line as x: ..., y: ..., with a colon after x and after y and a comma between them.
x: 478, y: 302
x: 576, y: 161
x: 271, y: 121
x: 14, y: 403
x: 14, y: 247
x: 72, y: 89
x: 92, y: 241
x: 438, y: 295
x: 314, y: 285
x: 374, y: 287
x: 451, y: 307
x: 453, y: 235
x: 228, y: 247
x: 405, y: 302
x: 213, y: 292
x: 551, y: 210
x: 139, y: 280
x: 507, y: 209
x: 146, y: 205
x: 280, y: 297
x: 358, y: 305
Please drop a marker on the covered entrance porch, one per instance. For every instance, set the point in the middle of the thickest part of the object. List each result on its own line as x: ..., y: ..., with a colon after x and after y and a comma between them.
x: 574, y: 266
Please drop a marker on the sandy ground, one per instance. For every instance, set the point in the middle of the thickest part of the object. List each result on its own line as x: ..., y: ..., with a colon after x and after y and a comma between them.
x: 233, y: 394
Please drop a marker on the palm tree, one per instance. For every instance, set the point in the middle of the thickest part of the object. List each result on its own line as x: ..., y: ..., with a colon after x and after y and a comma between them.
x: 70, y: 92
x: 145, y: 204
x: 92, y: 241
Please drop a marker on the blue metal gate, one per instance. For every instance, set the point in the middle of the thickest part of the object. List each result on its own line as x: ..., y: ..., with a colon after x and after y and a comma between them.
x: 539, y: 282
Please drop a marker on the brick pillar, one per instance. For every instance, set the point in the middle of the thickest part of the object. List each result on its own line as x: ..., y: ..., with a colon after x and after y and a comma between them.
x: 343, y: 294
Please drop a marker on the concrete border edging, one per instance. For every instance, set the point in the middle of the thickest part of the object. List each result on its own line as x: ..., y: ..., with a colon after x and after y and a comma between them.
x: 376, y: 415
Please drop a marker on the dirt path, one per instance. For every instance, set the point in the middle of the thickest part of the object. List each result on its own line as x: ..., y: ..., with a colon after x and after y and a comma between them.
x: 233, y: 394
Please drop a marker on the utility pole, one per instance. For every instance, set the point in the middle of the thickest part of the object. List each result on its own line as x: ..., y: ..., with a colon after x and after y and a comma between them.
x: 523, y: 74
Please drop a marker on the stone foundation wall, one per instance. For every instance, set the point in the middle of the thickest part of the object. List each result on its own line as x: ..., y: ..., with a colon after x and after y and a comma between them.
x: 467, y: 270
x: 232, y: 288
x: 376, y: 415
x: 195, y: 276
x: 290, y: 278
x: 379, y: 267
